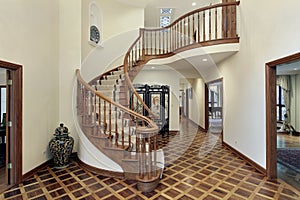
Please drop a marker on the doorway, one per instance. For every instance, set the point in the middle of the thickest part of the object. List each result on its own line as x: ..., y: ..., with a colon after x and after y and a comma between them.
x: 277, y: 111
x: 11, y: 123
x: 214, y: 105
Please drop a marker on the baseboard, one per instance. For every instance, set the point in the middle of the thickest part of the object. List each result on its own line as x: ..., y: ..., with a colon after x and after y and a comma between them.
x: 199, y: 127
x: 173, y: 132
x: 295, y: 133
x: 35, y: 170
x: 42, y: 166
x: 248, y: 160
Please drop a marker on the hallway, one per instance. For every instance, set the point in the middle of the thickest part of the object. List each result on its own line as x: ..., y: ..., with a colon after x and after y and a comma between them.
x: 197, y: 167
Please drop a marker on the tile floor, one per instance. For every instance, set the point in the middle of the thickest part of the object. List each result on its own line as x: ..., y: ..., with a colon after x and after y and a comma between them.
x: 197, y: 167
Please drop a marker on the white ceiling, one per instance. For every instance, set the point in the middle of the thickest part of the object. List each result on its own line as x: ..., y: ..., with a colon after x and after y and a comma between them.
x: 195, y: 66
x: 152, y: 7
x: 191, y: 66
x: 137, y: 3
x: 288, y: 68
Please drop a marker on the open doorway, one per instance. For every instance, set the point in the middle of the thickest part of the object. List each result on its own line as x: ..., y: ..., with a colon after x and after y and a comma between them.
x: 11, y: 124
x: 283, y: 118
x: 215, y: 106
x: 3, y: 140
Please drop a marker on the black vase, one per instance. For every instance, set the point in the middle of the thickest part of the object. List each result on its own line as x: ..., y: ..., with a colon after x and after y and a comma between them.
x: 61, y: 147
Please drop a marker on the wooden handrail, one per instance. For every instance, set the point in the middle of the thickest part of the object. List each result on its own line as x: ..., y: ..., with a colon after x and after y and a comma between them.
x: 168, y: 48
x: 126, y: 70
x: 141, y: 136
x: 178, y: 36
x: 152, y: 126
x: 193, y: 12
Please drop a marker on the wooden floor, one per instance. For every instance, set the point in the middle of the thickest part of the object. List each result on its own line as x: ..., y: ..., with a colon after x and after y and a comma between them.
x: 3, y: 185
x: 197, y: 167
x: 287, y: 140
x: 290, y: 176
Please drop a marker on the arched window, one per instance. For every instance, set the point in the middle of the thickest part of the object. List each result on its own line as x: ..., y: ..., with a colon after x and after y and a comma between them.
x: 165, y: 17
x: 95, y: 24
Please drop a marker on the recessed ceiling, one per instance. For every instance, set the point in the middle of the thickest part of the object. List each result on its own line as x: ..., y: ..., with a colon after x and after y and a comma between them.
x: 194, y: 66
x: 288, y: 68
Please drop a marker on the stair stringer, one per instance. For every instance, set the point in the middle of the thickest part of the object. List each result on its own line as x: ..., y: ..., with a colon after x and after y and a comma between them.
x: 90, y: 154
x: 97, y: 146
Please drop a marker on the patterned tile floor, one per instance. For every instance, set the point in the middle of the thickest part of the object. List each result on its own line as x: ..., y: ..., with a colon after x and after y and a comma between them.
x: 197, y: 167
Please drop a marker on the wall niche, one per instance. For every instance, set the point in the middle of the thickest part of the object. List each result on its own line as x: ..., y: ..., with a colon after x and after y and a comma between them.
x: 95, y: 24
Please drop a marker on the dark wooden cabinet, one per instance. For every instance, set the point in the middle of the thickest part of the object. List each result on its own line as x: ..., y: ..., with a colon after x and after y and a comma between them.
x: 157, y: 98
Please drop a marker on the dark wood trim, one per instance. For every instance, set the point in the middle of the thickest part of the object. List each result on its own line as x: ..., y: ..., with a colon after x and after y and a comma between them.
x: 187, y: 104
x: 44, y: 165
x: 9, y: 65
x: 36, y: 169
x: 200, y: 128
x: 244, y: 157
x: 283, y: 60
x: 173, y: 132
x: 193, y: 46
x: 16, y: 139
x: 16, y: 116
x: 100, y: 171
x: 206, y: 95
x: 271, y: 123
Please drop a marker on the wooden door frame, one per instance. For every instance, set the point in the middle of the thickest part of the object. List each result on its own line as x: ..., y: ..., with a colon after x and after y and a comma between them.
x: 15, y: 116
x: 206, y: 102
x: 187, y: 103
x: 271, y: 122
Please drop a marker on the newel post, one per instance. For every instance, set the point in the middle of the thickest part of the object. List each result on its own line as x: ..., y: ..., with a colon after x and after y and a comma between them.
x: 148, y: 176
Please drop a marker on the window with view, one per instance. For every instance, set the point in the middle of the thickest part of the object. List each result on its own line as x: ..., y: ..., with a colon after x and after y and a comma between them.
x: 165, y: 17
x: 280, y: 105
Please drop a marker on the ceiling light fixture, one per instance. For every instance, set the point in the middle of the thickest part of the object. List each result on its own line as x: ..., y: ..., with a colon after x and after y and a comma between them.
x: 194, y: 4
x: 204, y: 59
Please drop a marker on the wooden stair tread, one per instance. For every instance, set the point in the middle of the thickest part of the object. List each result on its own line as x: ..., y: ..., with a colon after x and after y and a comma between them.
x: 116, y: 148
x: 129, y: 160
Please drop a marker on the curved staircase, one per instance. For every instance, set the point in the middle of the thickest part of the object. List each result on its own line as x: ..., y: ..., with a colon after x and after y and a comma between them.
x: 105, y: 114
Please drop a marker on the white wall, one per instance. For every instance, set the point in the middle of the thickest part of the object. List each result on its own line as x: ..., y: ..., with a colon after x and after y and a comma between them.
x: 29, y: 36
x: 110, y: 56
x: 164, y: 77
x: 197, y: 103
x: 117, y: 18
x: 180, y: 8
x: 265, y: 36
x: 69, y: 59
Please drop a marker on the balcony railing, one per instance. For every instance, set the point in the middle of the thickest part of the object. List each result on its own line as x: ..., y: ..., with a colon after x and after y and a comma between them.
x: 211, y: 25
